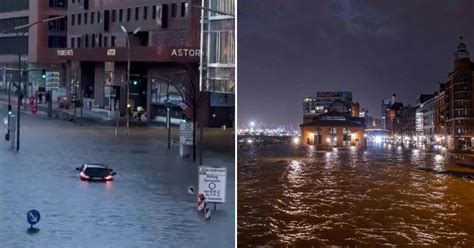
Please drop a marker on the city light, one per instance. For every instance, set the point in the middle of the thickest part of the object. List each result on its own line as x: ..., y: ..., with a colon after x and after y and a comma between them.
x: 249, y: 141
x: 252, y: 124
x: 296, y: 140
x: 378, y: 139
x: 438, y: 158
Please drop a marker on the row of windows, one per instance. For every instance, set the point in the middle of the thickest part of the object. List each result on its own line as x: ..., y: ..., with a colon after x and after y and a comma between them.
x: 7, y: 24
x: 9, y: 45
x: 93, y: 41
x: 62, y: 4
x: 13, y: 5
x: 140, y: 13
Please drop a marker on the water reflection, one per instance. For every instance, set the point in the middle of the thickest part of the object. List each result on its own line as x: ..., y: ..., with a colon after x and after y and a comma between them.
x: 351, y: 197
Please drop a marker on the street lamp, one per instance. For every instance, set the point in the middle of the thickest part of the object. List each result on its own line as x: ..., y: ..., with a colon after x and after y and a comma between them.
x: 128, y: 73
x: 252, y: 124
x: 17, y: 29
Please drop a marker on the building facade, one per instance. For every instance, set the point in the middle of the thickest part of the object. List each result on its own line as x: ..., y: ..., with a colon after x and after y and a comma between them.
x: 315, y: 106
x: 218, y: 45
x: 161, y: 39
x: 425, y: 118
x: 37, y: 45
x: 217, y: 63
x: 459, y: 98
x: 334, y: 129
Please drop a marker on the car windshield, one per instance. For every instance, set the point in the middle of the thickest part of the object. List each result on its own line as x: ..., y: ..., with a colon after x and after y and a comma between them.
x: 97, y: 172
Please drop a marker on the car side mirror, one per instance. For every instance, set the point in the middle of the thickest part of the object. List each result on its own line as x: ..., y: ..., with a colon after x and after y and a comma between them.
x: 113, y: 173
x: 111, y: 170
x: 77, y: 168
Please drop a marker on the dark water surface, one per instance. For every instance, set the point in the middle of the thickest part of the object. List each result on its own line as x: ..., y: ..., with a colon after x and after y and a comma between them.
x: 351, y: 197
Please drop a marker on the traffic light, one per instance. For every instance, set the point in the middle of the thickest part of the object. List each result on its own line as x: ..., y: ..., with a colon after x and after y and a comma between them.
x: 43, y: 74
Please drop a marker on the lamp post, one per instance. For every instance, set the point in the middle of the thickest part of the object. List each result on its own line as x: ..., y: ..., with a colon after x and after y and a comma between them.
x: 128, y: 73
x: 17, y: 29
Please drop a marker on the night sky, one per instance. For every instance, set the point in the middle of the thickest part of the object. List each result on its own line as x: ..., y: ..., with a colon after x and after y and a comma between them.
x: 291, y: 49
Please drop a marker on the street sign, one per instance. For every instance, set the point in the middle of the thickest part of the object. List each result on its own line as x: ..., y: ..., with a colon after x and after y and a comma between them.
x: 52, y: 80
x: 33, y: 217
x: 212, y: 183
x: 186, y: 133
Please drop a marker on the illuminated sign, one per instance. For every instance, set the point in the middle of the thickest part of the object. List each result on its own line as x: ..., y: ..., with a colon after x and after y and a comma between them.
x: 185, y: 52
x: 111, y: 52
x: 64, y: 53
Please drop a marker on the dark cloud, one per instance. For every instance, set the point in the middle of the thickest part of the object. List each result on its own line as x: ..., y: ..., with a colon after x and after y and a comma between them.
x: 291, y: 49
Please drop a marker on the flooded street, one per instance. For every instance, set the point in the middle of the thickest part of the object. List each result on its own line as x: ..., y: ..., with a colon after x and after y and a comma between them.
x: 146, y: 205
x: 351, y: 197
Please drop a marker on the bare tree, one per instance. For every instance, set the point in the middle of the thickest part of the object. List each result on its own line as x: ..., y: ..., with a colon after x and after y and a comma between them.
x: 192, y: 97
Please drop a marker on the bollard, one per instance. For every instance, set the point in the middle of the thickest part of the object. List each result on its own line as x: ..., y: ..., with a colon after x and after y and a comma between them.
x: 201, y: 204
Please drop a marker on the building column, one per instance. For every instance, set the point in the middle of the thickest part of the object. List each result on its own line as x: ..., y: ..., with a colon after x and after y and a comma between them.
x: 99, y: 78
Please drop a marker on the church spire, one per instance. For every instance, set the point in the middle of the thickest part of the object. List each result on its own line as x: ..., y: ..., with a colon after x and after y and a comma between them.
x: 462, y: 51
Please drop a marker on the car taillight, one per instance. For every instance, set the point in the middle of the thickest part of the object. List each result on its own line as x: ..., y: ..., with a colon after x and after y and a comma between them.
x: 109, y: 177
x: 83, y: 175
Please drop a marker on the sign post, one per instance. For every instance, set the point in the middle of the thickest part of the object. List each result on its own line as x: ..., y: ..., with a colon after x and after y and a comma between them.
x: 185, y: 137
x: 33, y: 217
x: 212, y: 183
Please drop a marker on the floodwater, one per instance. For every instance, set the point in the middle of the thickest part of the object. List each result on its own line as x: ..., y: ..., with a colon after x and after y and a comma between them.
x: 305, y: 197
x: 146, y: 205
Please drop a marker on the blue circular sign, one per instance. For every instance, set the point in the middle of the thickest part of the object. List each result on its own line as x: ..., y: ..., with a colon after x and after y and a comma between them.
x: 33, y: 216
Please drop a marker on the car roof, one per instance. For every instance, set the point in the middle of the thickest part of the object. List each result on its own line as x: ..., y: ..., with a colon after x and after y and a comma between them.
x: 95, y: 165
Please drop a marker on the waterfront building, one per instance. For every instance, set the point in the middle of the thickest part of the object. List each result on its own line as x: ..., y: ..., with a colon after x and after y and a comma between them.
x: 334, y: 129
x: 459, y: 98
x: 384, y: 106
x: 425, y: 118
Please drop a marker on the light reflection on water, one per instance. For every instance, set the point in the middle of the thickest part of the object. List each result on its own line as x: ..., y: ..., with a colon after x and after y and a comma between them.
x: 350, y: 197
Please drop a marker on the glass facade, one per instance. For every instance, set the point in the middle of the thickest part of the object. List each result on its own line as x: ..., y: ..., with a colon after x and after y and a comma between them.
x: 218, y: 46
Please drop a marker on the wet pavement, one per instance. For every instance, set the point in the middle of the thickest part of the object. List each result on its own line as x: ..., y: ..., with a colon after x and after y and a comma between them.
x: 147, y: 204
x: 378, y: 197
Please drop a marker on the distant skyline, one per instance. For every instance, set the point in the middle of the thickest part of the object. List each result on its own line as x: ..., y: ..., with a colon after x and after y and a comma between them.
x: 288, y: 50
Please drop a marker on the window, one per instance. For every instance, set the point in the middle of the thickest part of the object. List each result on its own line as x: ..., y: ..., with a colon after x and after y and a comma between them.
x: 153, y: 12
x: 174, y: 9
x: 112, y: 41
x: 184, y: 9
x: 98, y: 17
x: 137, y: 12
x: 92, y: 17
x: 78, y: 42
x: 86, y: 40
x: 129, y: 14
x: 114, y: 15
x: 57, y: 25
x: 145, y: 13
x: 73, y: 19
x: 93, y: 40
x: 57, y: 3
x: 120, y: 15
x: 85, y: 18
x: 100, y: 40
x: 57, y: 41
x: 73, y: 42
x: 106, y: 41
x: 79, y: 19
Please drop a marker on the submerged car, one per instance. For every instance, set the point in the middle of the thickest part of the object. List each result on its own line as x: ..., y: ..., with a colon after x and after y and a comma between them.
x: 95, y: 172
